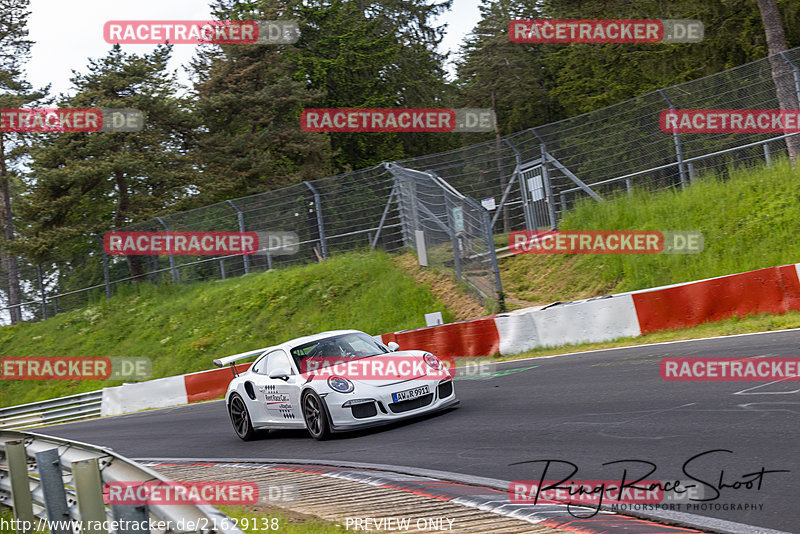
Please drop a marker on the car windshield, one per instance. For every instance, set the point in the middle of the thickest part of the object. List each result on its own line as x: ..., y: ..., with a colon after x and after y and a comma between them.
x: 355, y: 345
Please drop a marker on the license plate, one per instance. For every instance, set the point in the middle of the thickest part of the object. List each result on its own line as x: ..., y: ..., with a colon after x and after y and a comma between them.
x: 410, y: 394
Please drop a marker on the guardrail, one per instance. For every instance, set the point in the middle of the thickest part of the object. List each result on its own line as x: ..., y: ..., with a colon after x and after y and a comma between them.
x: 51, y: 411
x: 57, y: 480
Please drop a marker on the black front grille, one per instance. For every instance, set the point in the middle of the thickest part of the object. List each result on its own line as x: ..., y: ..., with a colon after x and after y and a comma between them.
x: 413, y: 404
x: 362, y: 411
x: 445, y: 389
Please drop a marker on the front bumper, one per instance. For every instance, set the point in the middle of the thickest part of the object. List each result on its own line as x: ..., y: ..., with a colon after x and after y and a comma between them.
x: 382, y: 410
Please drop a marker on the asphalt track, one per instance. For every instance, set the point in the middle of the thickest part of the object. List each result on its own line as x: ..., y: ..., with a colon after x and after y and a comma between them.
x: 587, y: 409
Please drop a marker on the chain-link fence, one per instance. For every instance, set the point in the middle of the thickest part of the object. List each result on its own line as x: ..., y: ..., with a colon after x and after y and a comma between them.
x: 447, y: 229
x: 457, y: 199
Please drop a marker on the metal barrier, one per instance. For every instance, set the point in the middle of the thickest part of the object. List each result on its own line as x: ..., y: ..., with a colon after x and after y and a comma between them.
x: 53, y: 411
x: 448, y: 229
x: 57, y: 481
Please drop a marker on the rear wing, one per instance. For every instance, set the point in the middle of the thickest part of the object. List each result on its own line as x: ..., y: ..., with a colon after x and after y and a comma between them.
x: 227, y: 360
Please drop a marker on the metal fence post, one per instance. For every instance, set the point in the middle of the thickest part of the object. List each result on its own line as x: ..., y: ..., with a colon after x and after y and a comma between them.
x: 487, y: 228
x: 795, y: 71
x: 41, y: 290
x: 676, y: 141
x: 523, y: 188
x: 240, y: 216
x: 20, y: 488
x: 222, y: 268
x: 320, y: 224
x: 374, y: 242
x: 767, y: 159
x: 448, y: 205
x: 548, y: 188
x: 175, y: 276
x: 55, y: 498
x: 89, y: 490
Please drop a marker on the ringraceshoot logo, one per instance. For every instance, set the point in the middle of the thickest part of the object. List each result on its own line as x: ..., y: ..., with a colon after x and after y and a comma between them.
x: 598, y: 31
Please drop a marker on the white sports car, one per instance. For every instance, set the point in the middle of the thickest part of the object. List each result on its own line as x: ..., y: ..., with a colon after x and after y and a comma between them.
x: 333, y: 382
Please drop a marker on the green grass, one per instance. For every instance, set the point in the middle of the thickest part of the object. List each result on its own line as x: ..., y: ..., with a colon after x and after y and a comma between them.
x: 749, y: 221
x: 183, y: 327
x: 260, y: 522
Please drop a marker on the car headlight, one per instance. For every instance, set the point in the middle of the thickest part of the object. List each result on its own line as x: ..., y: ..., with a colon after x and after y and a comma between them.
x: 340, y: 384
x: 432, y: 361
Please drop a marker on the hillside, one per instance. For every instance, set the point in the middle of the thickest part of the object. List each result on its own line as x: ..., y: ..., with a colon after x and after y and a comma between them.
x: 183, y: 327
x: 750, y: 220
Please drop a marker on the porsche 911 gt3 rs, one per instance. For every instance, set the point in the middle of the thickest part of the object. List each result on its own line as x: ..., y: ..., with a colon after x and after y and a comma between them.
x: 333, y: 382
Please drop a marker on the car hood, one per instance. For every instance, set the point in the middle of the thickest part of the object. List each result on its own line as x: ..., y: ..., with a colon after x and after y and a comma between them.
x: 409, y: 365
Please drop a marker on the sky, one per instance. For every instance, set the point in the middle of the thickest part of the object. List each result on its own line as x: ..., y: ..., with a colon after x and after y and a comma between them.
x: 64, y: 41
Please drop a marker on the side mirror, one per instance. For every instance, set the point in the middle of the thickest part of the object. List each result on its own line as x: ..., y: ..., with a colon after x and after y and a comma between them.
x: 393, y: 346
x: 282, y: 374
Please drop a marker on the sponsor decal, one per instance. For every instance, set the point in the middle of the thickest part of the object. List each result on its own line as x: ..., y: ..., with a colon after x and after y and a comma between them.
x: 397, y: 120
x: 730, y: 369
x: 201, y: 32
x: 50, y: 120
x: 75, y: 368
x: 606, y: 242
x: 157, y: 492
x: 730, y: 121
x: 597, y: 31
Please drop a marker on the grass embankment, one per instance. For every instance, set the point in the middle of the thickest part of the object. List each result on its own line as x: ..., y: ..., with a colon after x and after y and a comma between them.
x: 182, y: 328
x: 749, y: 221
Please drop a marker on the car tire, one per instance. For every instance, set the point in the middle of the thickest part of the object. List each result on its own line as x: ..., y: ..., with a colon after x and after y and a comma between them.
x: 315, y: 416
x: 240, y: 418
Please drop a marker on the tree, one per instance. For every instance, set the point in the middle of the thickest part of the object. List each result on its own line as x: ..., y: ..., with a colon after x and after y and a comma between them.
x: 373, y: 54
x: 592, y: 76
x: 505, y: 76
x: 249, y: 105
x: 15, y: 92
x: 782, y: 73
x: 86, y: 183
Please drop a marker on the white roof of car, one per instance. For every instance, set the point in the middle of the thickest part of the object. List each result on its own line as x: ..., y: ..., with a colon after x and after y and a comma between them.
x: 288, y: 346
x: 316, y: 337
